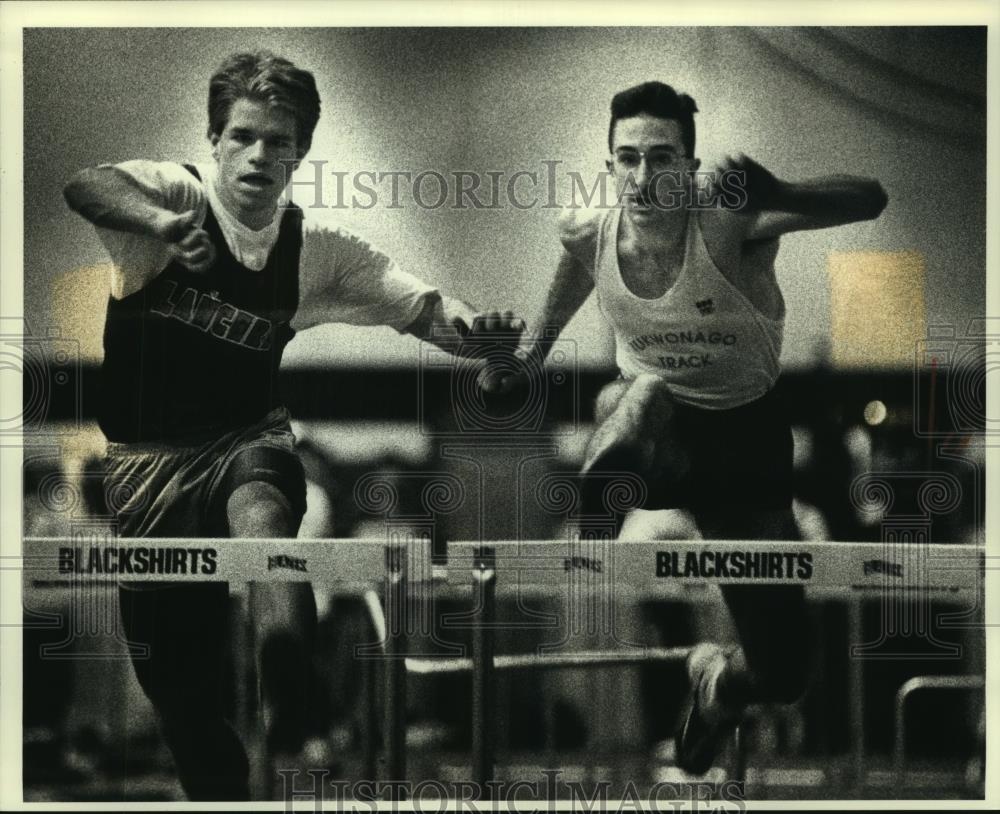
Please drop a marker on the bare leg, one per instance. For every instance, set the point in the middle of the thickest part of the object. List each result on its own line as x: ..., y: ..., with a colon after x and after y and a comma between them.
x: 633, y: 436
x: 284, y: 615
x: 772, y: 662
x: 608, y: 399
x: 772, y: 665
x: 184, y: 676
x: 631, y: 416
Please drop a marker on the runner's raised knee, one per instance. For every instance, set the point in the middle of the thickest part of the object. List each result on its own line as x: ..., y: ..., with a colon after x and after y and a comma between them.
x: 608, y: 399
x: 647, y: 391
x: 651, y: 389
x: 258, y: 509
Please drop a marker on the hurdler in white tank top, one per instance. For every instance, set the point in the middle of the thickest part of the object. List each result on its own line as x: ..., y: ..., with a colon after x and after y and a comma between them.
x: 713, y: 347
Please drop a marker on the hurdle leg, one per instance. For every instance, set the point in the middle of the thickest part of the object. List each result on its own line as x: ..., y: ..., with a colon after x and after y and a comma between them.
x: 483, y: 673
x: 856, y: 691
x: 740, y: 755
x: 369, y: 736
x: 395, y: 671
x: 250, y: 703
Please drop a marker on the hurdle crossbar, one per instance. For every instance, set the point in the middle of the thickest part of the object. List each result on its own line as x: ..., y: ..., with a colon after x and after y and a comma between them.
x: 648, y: 567
x: 896, y: 569
x: 658, y: 567
x: 603, y: 568
x: 577, y: 659
x: 100, y: 559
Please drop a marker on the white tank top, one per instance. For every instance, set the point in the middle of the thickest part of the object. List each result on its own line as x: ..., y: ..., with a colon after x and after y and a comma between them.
x: 713, y: 347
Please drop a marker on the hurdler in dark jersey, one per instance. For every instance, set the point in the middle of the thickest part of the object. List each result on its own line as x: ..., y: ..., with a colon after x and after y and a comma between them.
x: 209, y: 281
x: 195, y: 354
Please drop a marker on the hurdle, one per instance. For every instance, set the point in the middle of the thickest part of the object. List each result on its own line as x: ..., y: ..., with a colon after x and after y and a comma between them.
x: 590, y: 570
x: 603, y: 570
x: 103, y: 561
x: 937, y: 683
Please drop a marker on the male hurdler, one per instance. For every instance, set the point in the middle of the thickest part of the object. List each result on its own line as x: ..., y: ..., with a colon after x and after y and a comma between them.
x: 211, y: 279
x: 684, y: 275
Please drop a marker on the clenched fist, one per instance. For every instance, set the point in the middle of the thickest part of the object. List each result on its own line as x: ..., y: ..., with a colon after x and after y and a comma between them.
x: 494, y: 337
x: 191, y: 245
x: 754, y: 185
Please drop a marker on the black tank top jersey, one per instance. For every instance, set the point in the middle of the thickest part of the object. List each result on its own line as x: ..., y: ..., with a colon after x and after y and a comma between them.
x: 191, y: 354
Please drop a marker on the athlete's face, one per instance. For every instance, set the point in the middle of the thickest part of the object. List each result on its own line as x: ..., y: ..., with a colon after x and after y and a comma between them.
x: 650, y: 166
x: 253, y: 151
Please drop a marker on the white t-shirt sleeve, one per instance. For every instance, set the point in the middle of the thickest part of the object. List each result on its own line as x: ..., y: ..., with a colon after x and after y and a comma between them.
x: 137, y: 259
x: 342, y: 278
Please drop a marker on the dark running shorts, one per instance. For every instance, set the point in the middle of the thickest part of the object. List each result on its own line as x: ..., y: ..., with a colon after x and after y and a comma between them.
x: 740, y: 458
x: 162, y: 490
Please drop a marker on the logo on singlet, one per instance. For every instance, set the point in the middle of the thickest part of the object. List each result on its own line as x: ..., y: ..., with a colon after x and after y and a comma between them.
x: 706, y: 306
x: 206, y: 312
x: 640, y: 343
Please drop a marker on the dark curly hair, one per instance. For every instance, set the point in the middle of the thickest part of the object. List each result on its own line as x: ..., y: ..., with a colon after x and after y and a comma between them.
x: 659, y: 100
